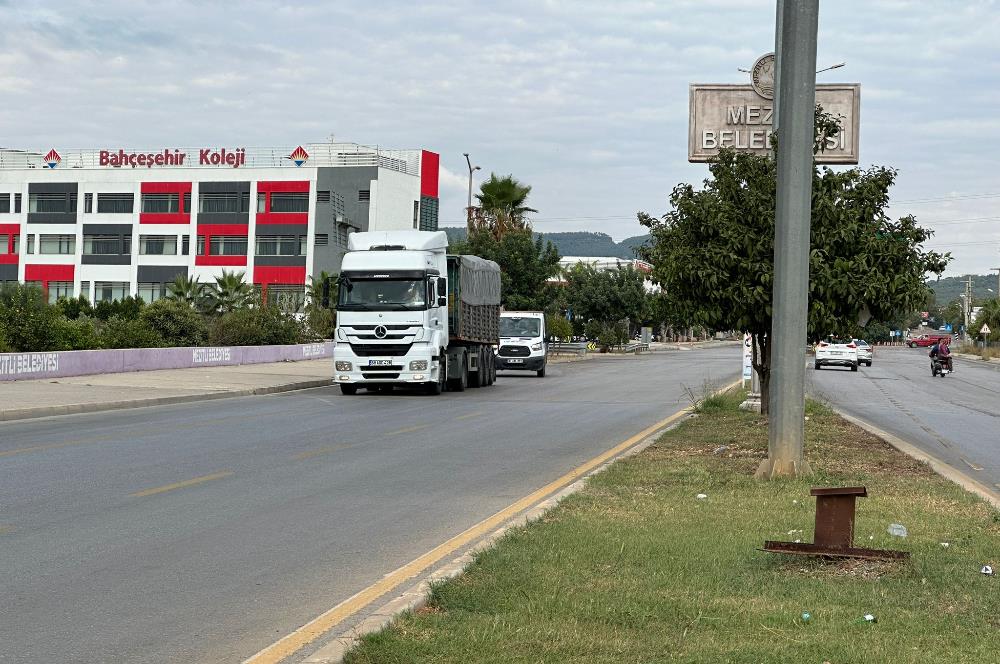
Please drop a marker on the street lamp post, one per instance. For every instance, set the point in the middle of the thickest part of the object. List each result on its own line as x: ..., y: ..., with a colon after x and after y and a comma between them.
x: 471, y: 169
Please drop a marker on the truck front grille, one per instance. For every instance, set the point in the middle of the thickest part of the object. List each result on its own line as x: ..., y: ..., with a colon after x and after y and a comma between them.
x: 371, y: 376
x: 385, y: 350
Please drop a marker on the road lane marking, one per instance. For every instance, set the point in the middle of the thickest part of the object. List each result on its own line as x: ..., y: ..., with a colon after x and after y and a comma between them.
x: 40, y: 448
x: 323, y: 623
x: 408, y: 430
x: 970, y: 464
x: 6, y: 530
x: 181, y: 485
x: 308, y: 454
x: 466, y: 417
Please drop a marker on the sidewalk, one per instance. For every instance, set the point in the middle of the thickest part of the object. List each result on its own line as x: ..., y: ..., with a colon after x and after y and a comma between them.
x: 25, y: 399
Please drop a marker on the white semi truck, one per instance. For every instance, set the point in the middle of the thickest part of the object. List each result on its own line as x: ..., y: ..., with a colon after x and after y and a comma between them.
x: 408, y: 314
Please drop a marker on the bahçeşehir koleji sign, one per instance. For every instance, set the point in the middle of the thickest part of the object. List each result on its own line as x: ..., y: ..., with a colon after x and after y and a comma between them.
x: 741, y: 116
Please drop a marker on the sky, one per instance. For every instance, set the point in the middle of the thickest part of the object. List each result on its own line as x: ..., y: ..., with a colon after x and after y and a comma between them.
x: 585, y: 101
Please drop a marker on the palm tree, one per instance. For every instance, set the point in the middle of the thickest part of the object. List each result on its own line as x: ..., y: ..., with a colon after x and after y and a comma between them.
x: 503, y: 205
x: 230, y: 292
x: 187, y: 289
x: 314, y: 291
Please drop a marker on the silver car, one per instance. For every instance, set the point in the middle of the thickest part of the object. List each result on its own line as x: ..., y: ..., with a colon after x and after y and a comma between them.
x: 864, y: 352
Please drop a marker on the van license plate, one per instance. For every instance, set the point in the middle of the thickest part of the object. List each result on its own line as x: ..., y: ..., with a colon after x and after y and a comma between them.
x: 379, y: 363
x: 518, y: 361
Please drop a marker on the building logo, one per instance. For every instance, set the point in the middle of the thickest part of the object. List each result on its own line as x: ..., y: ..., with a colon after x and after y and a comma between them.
x: 299, y: 156
x: 762, y: 76
x: 52, y: 159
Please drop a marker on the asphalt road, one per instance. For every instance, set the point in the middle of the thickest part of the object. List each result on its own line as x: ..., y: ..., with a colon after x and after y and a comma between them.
x: 955, y: 418
x: 204, y: 532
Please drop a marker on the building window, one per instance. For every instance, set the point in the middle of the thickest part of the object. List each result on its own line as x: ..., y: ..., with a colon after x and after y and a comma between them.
x: 159, y: 203
x: 17, y: 203
x: 115, y: 203
x: 322, y: 239
x: 4, y: 203
x: 17, y: 244
x: 88, y: 203
x: 57, y: 244
x: 4, y: 242
x: 52, y: 203
x: 85, y: 289
x: 127, y: 245
x: 58, y: 289
x: 185, y: 245
x: 291, y: 202
x: 107, y: 291
x: 158, y: 245
x: 201, y: 245
x: 322, y: 196
x: 341, y: 236
x: 223, y: 202
x: 289, y: 298
x: 151, y: 292
x: 276, y: 245
x: 261, y: 202
x: 416, y: 214
x: 103, y: 245
x: 31, y: 244
x: 229, y: 245
x: 364, y: 195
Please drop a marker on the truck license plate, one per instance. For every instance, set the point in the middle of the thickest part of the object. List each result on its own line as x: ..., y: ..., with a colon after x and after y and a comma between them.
x: 379, y: 363
x: 516, y: 361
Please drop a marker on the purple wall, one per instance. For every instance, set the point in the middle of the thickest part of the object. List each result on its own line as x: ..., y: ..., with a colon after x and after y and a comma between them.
x: 24, y: 366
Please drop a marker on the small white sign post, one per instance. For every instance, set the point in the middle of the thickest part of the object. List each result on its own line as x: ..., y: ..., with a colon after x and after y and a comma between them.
x: 984, y: 330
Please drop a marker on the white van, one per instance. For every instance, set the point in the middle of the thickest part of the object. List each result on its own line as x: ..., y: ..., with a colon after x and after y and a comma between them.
x: 522, y: 341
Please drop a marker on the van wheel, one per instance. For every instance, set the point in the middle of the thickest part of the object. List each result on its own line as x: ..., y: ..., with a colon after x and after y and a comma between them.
x: 348, y: 390
x: 854, y: 367
x: 818, y: 366
x: 541, y: 372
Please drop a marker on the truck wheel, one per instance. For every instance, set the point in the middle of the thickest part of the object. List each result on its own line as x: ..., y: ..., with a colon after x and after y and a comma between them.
x: 482, y: 379
x: 493, y: 366
x: 348, y: 390
x: 437, y: 387
x: 461, y: 381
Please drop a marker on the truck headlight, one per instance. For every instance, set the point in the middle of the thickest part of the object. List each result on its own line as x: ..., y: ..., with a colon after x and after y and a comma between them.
x: 418, y: 365
x: 537, y: 346
x: 343, y: 366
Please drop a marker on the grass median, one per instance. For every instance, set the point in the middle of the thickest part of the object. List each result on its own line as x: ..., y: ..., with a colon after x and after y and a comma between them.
x: 637, y: 568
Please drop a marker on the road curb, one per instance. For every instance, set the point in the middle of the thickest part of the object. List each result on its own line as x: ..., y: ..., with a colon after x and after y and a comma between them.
x: 939, y: 466
x: 15, y: 414
x: 416, y: 596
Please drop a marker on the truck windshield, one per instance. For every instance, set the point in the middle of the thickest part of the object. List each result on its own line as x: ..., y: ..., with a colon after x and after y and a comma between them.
x: 520, y: 327
x: 374, y: 294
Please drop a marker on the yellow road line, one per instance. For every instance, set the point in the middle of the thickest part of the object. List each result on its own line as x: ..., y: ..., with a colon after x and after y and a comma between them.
x: 39, y: 448
x: 970, y: 464
x: 408, y: 429
x: 315, y: 628
x: 322, y: 450
x: 6, y: 530
x: 470, y: 415
x: 181, y: 485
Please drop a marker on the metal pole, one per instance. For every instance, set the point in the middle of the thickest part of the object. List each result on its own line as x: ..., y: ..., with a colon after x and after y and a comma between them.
x: 797, y: 99
x: 469, y: 205
x: 998, y: 279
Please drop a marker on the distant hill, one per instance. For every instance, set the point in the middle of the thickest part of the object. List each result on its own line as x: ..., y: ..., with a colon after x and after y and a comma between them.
x: 948, y: 289
x: 577, y: 243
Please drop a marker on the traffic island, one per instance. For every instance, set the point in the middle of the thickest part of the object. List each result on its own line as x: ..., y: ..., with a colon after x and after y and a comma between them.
x: 658, y: 559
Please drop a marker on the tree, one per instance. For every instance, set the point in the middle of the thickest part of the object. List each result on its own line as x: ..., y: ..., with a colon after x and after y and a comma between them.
x: 526, y: 265
x: 188, y: 290
x: 176, y: 322
x: 989, y: 315
x: 229, y: 292
x: 607, y: 296
x: 503, y: 206
x: 713, y: 252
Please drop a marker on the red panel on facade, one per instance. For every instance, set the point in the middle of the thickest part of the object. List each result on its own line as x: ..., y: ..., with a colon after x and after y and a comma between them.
x: 430, y: 163
x: 290, y: 186
x: 223, y: 261
x: 208, y: 230
x: 47, y: 273
x: 273, y: 274
x: 11, y: 231
x: 282, y: 187
x: 224, y: 229
x: 179, y: 188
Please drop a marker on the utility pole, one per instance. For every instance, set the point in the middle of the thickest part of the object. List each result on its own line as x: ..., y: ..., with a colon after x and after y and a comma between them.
x: 797, y: 25
x: 997, y: 269
x: 968, y: 306
x: 468, y: 207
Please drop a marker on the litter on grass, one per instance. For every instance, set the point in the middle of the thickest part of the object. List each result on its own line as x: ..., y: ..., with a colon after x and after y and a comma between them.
x: 897, y: 530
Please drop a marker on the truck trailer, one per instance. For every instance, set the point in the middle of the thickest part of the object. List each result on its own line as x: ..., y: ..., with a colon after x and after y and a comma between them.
x: 409, y: 314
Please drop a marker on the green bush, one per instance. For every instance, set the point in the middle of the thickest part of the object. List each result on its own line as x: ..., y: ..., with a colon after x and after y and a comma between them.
x: 127, y: 308
x: 120, y: 332
x: 27, y: 322
x: 320, y: 323
x: 76, y: 334
x: 262, y: 325
x: 74, y: 307
x: 558, y: 327
x: 176, y: 322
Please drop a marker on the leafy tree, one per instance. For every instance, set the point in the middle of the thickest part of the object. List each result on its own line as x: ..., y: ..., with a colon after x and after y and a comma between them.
x: 229, y: 292
x: 127, y: 308
x: 607, y: 295
x: 74, y: 307
x: 526, y: 265
x: 558, y: 327
x: 176, y: 322
x: 122, y: 332
x: 188, y: 290
x: 989, y: 315
x: 713, y: 252
x: 321, y: 320
x: 28, y: 323
x: 503, y: 206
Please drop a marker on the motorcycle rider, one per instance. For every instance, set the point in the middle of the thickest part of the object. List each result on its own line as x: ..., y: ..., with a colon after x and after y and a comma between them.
x: 941, y: 351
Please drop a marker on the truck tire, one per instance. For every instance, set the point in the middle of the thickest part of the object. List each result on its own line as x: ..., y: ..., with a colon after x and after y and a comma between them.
x: 481, y: 380
x: 492, y: 372
x: 438, y: 387
x: 854, y: 367
x: 461, y: 381
x: 348, y: 390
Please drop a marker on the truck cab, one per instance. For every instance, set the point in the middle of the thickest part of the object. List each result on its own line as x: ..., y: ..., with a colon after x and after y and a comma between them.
x: 522, y: 341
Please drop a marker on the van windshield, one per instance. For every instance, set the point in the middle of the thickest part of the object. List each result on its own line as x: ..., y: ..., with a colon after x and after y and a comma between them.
x: 520, y: 327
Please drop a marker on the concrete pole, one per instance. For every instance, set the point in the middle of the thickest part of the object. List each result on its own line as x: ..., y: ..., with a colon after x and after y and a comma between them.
x: 997, y: 270
x: 797, y: 100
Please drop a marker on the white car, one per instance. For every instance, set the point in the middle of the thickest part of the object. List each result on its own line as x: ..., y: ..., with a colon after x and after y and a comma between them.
x: 836, y: 352
x: 864, y: 352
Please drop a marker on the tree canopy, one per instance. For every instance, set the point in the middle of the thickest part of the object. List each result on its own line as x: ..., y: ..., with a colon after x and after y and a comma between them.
x: 526, y: 265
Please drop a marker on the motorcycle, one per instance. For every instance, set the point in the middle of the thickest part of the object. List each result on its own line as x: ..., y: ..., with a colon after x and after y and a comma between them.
x: 940, y: 367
